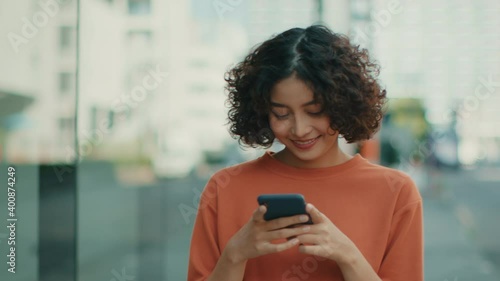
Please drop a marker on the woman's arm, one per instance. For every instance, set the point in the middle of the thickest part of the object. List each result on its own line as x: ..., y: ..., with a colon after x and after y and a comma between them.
x: 356, y: 268
x: 228, y: 269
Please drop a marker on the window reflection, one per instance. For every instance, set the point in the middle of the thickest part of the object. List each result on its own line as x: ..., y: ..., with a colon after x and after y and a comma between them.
x: 151, y: 116
x: 139, y: 7
x: 67, y: 38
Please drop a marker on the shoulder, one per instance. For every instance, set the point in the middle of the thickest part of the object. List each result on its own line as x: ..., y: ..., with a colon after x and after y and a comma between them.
x: 238, y: 172
x: 396, y: 183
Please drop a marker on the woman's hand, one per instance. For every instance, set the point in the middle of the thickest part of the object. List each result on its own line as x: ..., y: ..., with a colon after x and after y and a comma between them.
x: 254, y: 238
x: 325, y: 239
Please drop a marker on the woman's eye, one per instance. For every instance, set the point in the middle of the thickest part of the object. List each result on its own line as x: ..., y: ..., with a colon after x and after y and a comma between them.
x: 280, y: 116
x: 316, y: 110
x: 317, y: 113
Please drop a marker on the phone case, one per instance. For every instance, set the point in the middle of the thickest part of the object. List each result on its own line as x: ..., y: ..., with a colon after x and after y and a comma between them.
x: 283, y: 205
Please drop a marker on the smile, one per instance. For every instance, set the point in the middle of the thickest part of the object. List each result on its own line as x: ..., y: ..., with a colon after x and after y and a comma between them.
x: 305, y: 144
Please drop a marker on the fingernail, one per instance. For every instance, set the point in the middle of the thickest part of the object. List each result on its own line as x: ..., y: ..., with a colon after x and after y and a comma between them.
x: 304, y: 218
x: 306, y: 228
x: 295, y: 241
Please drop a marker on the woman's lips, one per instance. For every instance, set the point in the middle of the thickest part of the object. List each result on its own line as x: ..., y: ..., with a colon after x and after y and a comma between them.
x: 305, y: 144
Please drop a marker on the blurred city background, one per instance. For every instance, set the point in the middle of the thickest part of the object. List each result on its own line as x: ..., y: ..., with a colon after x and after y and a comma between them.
x: 113, y: 114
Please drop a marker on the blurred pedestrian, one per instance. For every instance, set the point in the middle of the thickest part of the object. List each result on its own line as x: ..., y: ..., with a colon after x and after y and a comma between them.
x: 389, y: 154
x: 306, y: 88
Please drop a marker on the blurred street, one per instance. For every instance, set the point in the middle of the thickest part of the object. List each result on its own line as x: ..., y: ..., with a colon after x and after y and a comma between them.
x: 462, y: 224
x: 114, y: 114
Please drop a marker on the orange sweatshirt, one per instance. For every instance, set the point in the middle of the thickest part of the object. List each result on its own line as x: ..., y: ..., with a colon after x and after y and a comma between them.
x: 378, y: 208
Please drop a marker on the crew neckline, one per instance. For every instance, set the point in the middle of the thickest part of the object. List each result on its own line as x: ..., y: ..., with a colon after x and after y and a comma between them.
x: 278, y: 167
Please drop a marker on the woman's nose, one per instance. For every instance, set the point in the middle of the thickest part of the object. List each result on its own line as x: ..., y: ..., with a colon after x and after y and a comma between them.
x: 301, y: 127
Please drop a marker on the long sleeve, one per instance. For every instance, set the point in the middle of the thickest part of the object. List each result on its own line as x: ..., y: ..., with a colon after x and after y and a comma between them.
x: 383, y: 217
x: 403, y: 259
x: 204, y: 251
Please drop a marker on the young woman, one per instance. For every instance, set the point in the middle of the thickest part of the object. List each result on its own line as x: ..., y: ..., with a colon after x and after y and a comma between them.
x: 305, y: 88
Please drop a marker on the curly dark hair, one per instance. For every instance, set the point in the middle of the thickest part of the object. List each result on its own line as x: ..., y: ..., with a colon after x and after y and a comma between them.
x: 341, y: 76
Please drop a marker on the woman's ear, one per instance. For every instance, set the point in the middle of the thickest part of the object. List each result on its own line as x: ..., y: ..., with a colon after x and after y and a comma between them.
x: 331, y: 131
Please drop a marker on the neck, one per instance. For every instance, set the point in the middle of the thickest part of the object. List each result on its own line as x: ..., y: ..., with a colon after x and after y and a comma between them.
x: 335, y: 157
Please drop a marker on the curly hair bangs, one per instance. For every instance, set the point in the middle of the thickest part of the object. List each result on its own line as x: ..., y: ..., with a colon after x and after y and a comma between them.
x: 341, y: 76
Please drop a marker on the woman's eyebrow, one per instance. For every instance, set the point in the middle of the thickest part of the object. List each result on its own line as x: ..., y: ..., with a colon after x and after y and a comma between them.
x: 283, y: 105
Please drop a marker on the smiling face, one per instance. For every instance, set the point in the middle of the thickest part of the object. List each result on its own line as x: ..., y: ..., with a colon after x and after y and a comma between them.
x: 298, y: 122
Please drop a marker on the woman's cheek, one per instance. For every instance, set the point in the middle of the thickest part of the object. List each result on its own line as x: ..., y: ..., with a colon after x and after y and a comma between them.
x: 279, y: 127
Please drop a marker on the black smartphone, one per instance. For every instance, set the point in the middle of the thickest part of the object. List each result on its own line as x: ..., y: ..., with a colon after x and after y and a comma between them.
x: 283, y: 205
